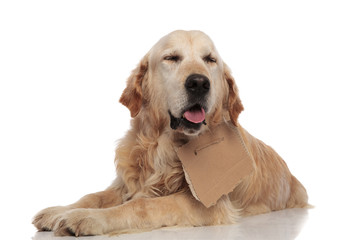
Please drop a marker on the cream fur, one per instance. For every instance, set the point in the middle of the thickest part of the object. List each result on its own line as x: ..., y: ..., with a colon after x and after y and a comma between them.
x: 150, y: 190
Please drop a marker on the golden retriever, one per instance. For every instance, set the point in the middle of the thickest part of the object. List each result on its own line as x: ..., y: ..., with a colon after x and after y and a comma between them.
x: 181, y: 89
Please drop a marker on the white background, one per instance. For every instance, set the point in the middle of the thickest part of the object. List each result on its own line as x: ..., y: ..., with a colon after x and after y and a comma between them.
x: 63, y: 66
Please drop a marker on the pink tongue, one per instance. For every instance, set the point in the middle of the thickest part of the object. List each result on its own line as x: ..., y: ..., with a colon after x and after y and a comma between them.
x: 195, y: 116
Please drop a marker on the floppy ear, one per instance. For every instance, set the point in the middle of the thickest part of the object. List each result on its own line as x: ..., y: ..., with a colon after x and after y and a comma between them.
x: 234, y: 104
x: 132, y: 96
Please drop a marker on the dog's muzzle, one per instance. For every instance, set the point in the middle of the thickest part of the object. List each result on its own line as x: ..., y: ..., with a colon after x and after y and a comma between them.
x: 197, y: 87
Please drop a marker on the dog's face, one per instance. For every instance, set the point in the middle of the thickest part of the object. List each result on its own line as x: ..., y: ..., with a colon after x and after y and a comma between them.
x: 183, y: 79
x: 187, y: 71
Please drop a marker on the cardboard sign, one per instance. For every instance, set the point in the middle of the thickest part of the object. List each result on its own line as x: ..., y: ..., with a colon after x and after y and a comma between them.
x: 215, y: 162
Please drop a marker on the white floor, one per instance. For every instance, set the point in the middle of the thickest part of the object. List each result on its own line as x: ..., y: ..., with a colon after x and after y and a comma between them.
x: 287, y: 224
x: 316, y: 223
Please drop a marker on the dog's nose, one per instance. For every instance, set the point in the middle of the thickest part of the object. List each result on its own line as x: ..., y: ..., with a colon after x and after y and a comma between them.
x: 197, y: 84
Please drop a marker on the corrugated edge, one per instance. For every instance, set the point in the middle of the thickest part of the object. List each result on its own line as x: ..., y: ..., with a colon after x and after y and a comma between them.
x: 237, y: 130
x: 188, y: 180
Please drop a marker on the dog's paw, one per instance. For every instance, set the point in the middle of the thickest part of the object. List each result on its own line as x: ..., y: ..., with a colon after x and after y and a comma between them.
x: 81, y: 222
x: 46, y: 219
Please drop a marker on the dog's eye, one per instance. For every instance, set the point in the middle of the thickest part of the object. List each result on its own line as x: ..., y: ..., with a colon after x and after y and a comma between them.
x: 209, y: 59
x: 172, y: 58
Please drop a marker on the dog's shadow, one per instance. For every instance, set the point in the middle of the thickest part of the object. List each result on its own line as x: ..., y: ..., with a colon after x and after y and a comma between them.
x: 285, y: 224
x: 279, y: 225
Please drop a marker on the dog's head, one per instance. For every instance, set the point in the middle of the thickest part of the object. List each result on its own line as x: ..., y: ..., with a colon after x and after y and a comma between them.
x: 184, y: 80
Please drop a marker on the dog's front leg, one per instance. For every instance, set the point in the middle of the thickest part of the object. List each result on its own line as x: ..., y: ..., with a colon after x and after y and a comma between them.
x: 179, y: 209
x: 46, y: 219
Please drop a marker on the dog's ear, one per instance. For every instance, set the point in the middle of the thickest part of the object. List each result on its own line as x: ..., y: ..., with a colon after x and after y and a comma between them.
x: 234, y: 104
x: 132, y: 96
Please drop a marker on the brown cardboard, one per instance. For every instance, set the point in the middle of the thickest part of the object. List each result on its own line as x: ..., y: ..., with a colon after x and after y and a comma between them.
x: 215, y: 162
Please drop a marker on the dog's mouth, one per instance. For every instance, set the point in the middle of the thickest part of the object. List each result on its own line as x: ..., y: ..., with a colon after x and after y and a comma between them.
x: 195, y: 114
x: 191, y: 118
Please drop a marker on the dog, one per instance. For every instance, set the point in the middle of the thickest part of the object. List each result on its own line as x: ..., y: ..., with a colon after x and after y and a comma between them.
x: 181, y: 89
